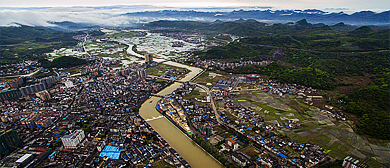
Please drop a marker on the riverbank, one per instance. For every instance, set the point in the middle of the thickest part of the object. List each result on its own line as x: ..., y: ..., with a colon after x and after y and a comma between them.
x: 160, y: 109
x: 195, y: 155
x: 171, y: 120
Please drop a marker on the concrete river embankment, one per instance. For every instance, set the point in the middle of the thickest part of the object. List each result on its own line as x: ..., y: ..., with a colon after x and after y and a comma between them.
x: 188, y: 149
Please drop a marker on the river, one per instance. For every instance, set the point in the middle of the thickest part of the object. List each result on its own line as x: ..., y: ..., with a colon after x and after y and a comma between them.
x: 188, y: 149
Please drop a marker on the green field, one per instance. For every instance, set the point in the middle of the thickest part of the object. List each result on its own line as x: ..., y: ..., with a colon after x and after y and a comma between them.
x: 160, y: 69
x: 162, y: 164
x: 336, y: 137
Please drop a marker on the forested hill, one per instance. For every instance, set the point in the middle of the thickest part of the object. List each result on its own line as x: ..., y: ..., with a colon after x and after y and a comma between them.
x: 362, y: 50
x: 318, y: 39
x: 25, y: 42
x: 62, y: 62
x: 323, y: 58
x: 248, y: 27
x: 239, y: 27
x: 15, y: 35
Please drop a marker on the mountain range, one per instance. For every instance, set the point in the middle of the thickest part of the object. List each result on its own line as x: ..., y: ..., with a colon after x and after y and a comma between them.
x: 270, y: 16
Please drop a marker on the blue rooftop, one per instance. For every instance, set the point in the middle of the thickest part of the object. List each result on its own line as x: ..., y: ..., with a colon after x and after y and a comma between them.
x: 111, y: 152
x: 282, y: 155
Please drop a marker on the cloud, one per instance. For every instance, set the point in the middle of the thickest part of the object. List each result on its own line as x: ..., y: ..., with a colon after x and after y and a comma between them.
x: 105, y: 15
x: 41, y: 17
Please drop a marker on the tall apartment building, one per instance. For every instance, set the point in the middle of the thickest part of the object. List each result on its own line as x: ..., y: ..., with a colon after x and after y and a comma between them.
x: 43, y: 84
x: 48, y: 81
x: 15, y: 83
x: 73, y: 139
x: 148, y: 58
x: 142, y: 72
x: 9, y: 94
x: 32, y: 89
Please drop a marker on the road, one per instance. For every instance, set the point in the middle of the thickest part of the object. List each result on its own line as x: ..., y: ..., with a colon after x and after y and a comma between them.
x: 211, y: 101
x: 57, y: 73
x: 85, y: 40
x: 246, y: 90
x: 26, y: 75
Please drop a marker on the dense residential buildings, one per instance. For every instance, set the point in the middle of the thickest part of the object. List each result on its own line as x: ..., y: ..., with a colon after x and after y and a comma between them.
x: 91, y: 117
x: 21, y: 68
x: 85, y: 114
x: 243, y: 128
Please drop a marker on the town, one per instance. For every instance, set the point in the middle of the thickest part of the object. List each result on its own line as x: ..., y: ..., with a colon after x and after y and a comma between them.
x: 248, y: 130
x: 91, y: 115
x: 89, y: 121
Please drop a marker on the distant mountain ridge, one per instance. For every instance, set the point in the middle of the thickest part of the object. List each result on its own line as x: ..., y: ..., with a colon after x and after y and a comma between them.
x: 251, y: 27
x: 88, y: 17
x: 312, y: 15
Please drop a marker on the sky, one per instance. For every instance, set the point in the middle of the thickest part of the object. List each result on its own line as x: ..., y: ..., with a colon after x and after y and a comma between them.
x: 329, y: 5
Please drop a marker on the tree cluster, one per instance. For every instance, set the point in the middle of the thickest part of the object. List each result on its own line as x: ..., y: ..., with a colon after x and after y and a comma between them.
x: 371, y: 106
x: 236, y: 51
x: 62, y: 62
x: 212, y: 150
x: 325, y: 40
x: 312, y: 77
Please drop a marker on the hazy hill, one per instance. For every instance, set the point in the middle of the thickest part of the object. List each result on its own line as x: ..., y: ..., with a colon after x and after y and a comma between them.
x: 278, y: 16
x: 249, y: 27
x: 26, y: 42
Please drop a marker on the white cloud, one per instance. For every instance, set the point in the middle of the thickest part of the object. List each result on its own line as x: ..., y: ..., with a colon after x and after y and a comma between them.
x: 109, y: 16
x: 40, y: 17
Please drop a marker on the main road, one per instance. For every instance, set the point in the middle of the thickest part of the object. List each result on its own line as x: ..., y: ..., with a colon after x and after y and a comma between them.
x: 211, y: 101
